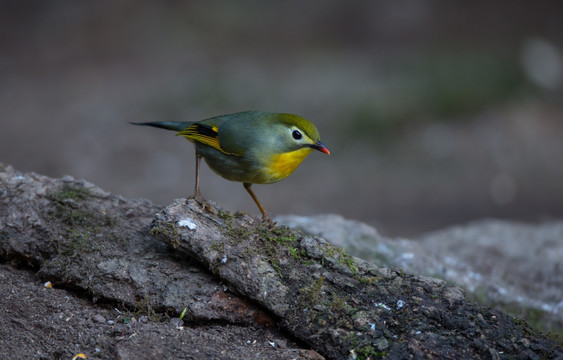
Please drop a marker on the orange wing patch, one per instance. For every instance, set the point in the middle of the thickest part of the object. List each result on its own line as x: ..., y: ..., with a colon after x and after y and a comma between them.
x: 208, y: 135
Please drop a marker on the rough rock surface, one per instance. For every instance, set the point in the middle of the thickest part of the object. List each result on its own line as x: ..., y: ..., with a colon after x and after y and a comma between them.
x: 249, y: 291
x: 515, y: 266
x: 117, y: 292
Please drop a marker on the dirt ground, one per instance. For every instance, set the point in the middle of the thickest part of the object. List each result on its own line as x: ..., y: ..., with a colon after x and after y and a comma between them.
x: 50, y: 323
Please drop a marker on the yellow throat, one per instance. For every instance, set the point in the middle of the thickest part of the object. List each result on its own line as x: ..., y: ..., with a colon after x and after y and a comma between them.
x: 282, y: 165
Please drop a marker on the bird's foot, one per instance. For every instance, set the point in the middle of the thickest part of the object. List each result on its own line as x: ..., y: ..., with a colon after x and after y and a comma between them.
x: 205, y: 205
x: 266, y: 220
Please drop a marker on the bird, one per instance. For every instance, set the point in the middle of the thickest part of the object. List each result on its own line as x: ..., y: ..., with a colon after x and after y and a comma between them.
x: 251, y: 147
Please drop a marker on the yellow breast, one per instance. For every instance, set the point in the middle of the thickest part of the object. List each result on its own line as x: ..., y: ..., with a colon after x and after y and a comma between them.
x: 282, y: 165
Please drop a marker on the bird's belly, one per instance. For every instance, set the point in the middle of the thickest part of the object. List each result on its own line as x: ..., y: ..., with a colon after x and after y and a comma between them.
x: 231, y: 167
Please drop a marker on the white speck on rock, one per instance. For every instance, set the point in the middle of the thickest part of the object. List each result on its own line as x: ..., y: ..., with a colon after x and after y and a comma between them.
x: 187, y: 222
x: 382, y: 306
x: 400, y: 304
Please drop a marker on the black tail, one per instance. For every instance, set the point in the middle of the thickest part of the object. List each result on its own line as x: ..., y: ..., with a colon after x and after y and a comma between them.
x: 168, y: 125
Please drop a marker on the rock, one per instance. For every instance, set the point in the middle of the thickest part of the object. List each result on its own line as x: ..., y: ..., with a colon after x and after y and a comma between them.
x: 490, y: 259
x: 99, y: 318
x: 177, y: 322
x: 337, y: 304
x: 503, y: 262
x: 97, y: 246
x: 238, y: 279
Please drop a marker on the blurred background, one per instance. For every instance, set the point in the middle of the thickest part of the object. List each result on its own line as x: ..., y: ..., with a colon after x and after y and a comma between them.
x: 435, y: 112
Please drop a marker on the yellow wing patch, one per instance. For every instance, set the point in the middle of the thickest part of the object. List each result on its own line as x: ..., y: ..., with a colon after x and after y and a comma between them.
x: 282, y: 165
x: 208, y: 135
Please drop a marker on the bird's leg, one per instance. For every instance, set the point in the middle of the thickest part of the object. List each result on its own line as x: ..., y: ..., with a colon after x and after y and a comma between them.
x: 197, y: 195
x: 265, y: 216
x: 197, y: 162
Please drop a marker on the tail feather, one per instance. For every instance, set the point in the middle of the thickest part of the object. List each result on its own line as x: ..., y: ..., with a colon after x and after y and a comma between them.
x: 168, y: 125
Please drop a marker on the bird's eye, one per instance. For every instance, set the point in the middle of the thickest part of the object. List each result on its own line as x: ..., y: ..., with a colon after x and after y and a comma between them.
x: 296, y: 134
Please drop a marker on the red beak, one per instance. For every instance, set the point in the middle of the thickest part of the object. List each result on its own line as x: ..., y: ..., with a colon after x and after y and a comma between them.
x: 321, y: 147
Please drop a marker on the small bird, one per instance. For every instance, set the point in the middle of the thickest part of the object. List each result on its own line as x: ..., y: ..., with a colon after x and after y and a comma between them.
x: 250, y: 147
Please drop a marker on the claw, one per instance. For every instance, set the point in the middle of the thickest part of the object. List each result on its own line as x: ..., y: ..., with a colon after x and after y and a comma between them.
x: 205, y: 205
